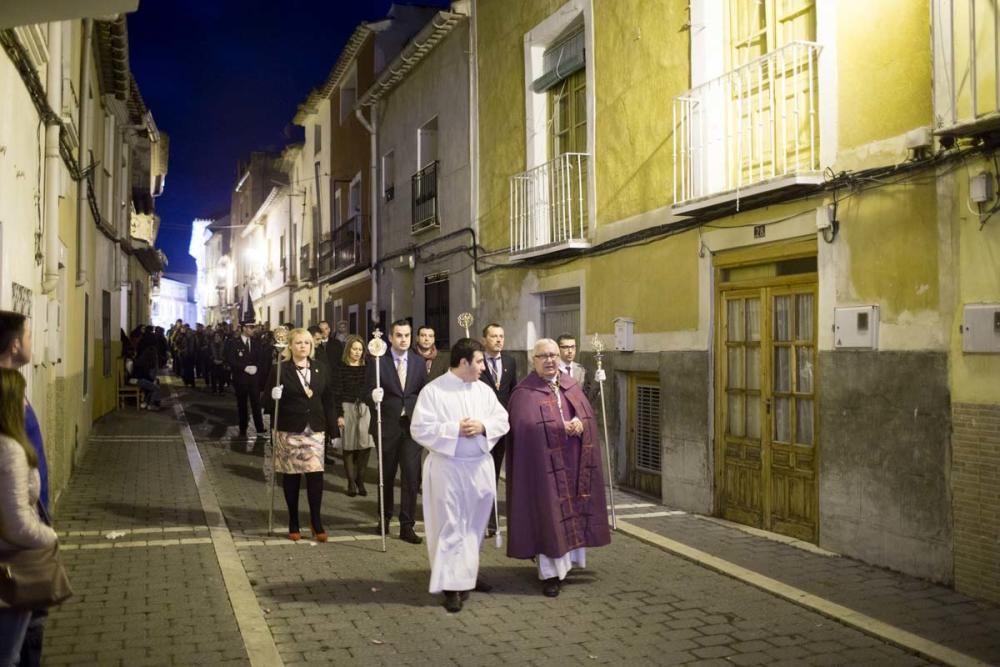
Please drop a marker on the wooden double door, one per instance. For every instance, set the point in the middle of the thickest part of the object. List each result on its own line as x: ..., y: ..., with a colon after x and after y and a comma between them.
x: 766, y: 456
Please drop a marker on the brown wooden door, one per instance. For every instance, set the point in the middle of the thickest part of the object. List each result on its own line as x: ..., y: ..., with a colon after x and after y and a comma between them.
x: 766, y: 404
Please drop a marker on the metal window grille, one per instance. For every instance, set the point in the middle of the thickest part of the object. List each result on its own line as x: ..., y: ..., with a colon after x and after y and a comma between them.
x: 647, y: 427
x: 425, y: 209
x: 21, y: 296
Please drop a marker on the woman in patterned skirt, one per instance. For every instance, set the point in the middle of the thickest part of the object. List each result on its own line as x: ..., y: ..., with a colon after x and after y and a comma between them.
x: 353, y: 415
x: 305, y: 395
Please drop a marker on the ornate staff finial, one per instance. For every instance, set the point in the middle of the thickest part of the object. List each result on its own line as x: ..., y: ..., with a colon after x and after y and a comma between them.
x: 280, y: 336
x: 465, y: 321
x: 376, y: 346
x: 598, y: 346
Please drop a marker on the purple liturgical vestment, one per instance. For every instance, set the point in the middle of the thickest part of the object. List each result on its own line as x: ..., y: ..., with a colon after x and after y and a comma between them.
x: 555, y: 485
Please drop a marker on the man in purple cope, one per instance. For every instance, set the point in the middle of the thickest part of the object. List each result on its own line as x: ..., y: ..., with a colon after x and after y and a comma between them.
x: 555, y: 485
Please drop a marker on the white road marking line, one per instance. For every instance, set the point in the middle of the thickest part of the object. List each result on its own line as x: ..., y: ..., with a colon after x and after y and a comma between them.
x: 133, y: 531
x: 134, y: 544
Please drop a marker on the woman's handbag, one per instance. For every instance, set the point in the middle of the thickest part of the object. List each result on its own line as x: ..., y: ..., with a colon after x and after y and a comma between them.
x: 33, y: 579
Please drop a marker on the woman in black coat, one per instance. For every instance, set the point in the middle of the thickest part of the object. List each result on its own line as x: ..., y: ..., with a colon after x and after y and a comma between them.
x: 304, y: 394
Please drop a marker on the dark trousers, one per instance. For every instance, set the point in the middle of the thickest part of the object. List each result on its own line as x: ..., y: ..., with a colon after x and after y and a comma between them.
x: 497, y: 453
x: 187, y: 369
x: 400, y: 452
x: 217, y: 376
x: 246, y: 389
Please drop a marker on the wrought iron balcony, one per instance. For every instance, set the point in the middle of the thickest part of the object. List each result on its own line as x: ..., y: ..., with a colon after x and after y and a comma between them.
x: 350, y: 251
x: 425, y: 209
x: 749, y: 131
x: 326, y: 256
x: 548, y: 206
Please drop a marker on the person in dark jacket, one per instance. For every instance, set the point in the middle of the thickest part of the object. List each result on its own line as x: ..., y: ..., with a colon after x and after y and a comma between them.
x: 246, y: 357
x: 304, y: 396
x: 353, y: 415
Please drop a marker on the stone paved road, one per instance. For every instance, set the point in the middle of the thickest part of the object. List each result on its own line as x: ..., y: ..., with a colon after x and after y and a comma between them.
x: 156, y: 594
x: 345, y: 602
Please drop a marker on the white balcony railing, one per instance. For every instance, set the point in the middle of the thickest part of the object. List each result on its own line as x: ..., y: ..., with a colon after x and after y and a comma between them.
x: 548, y: 205
x: 966, y: 66
x: 751, y: 125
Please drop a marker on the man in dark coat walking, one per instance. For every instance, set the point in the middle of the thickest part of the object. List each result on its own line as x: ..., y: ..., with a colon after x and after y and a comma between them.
x: 403, y: 374
x: 555, y: 486
x: 245, y: 356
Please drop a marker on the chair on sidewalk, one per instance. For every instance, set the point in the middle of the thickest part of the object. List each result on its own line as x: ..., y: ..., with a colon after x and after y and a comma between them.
x: 127, y: 391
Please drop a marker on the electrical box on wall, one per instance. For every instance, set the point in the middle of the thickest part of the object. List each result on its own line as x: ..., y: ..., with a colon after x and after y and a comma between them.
x: 624, y: 332
x: 855, y: 328
x: 981, y: 328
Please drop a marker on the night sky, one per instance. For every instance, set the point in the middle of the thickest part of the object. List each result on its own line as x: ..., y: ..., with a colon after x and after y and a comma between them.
x: 223, y: 78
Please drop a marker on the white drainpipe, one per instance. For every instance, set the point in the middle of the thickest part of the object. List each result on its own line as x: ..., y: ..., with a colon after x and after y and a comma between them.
x: 372, y: 128
x: 53, y: 82
x: 83, y: 119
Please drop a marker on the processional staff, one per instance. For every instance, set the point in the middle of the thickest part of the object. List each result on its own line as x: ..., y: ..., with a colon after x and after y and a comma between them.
x: 280, y: 343
x: 601, y: 376
x: 465, y: 321
x: 377, y: 348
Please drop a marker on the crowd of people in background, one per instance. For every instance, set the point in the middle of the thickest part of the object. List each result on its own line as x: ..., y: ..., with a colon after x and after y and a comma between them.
x: 325, y: 399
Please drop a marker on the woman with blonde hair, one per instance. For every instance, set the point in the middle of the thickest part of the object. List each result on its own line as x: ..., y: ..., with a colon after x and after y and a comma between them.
x: 21, y: 526
x: 353, y: 415
x: 305, y: 394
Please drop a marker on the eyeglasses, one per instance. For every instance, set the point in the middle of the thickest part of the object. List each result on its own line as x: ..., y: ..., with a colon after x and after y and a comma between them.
x: 567, y: 347
x: 546, y: 357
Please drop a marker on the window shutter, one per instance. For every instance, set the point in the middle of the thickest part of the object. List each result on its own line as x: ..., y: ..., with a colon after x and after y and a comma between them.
x: 560, y: 61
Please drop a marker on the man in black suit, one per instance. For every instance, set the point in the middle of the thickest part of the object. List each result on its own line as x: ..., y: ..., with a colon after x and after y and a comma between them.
x: 501, y: 375
x: 403, y: 375
x: 333, y: 347
x: 245, y: 355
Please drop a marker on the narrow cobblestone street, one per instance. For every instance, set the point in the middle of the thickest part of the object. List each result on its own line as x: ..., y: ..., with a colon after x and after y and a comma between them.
x: 164, y: 536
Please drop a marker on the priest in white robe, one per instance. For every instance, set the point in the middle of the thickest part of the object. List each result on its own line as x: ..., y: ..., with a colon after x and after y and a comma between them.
x: 459, y: 420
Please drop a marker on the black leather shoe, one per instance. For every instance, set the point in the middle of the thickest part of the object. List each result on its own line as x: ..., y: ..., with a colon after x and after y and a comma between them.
x: 550, y: 587
x: 452, y: 601
x: 407, y: 535
x: 362, y: 491
x: 483, y: 587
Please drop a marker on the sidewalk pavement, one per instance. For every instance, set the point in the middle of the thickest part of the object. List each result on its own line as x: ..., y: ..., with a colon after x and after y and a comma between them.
x: 195, y: 579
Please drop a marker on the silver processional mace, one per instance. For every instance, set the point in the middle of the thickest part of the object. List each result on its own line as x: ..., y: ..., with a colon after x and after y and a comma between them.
x: 377, y: 349
x: 465, y: 321
x: 280, y: 343
x: 598, y: 355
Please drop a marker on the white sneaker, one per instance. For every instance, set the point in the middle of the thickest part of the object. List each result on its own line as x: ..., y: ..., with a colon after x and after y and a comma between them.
x: 142, y: 405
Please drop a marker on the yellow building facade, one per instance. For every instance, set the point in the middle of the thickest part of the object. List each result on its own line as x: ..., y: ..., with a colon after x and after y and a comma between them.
x: 780, y: 204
